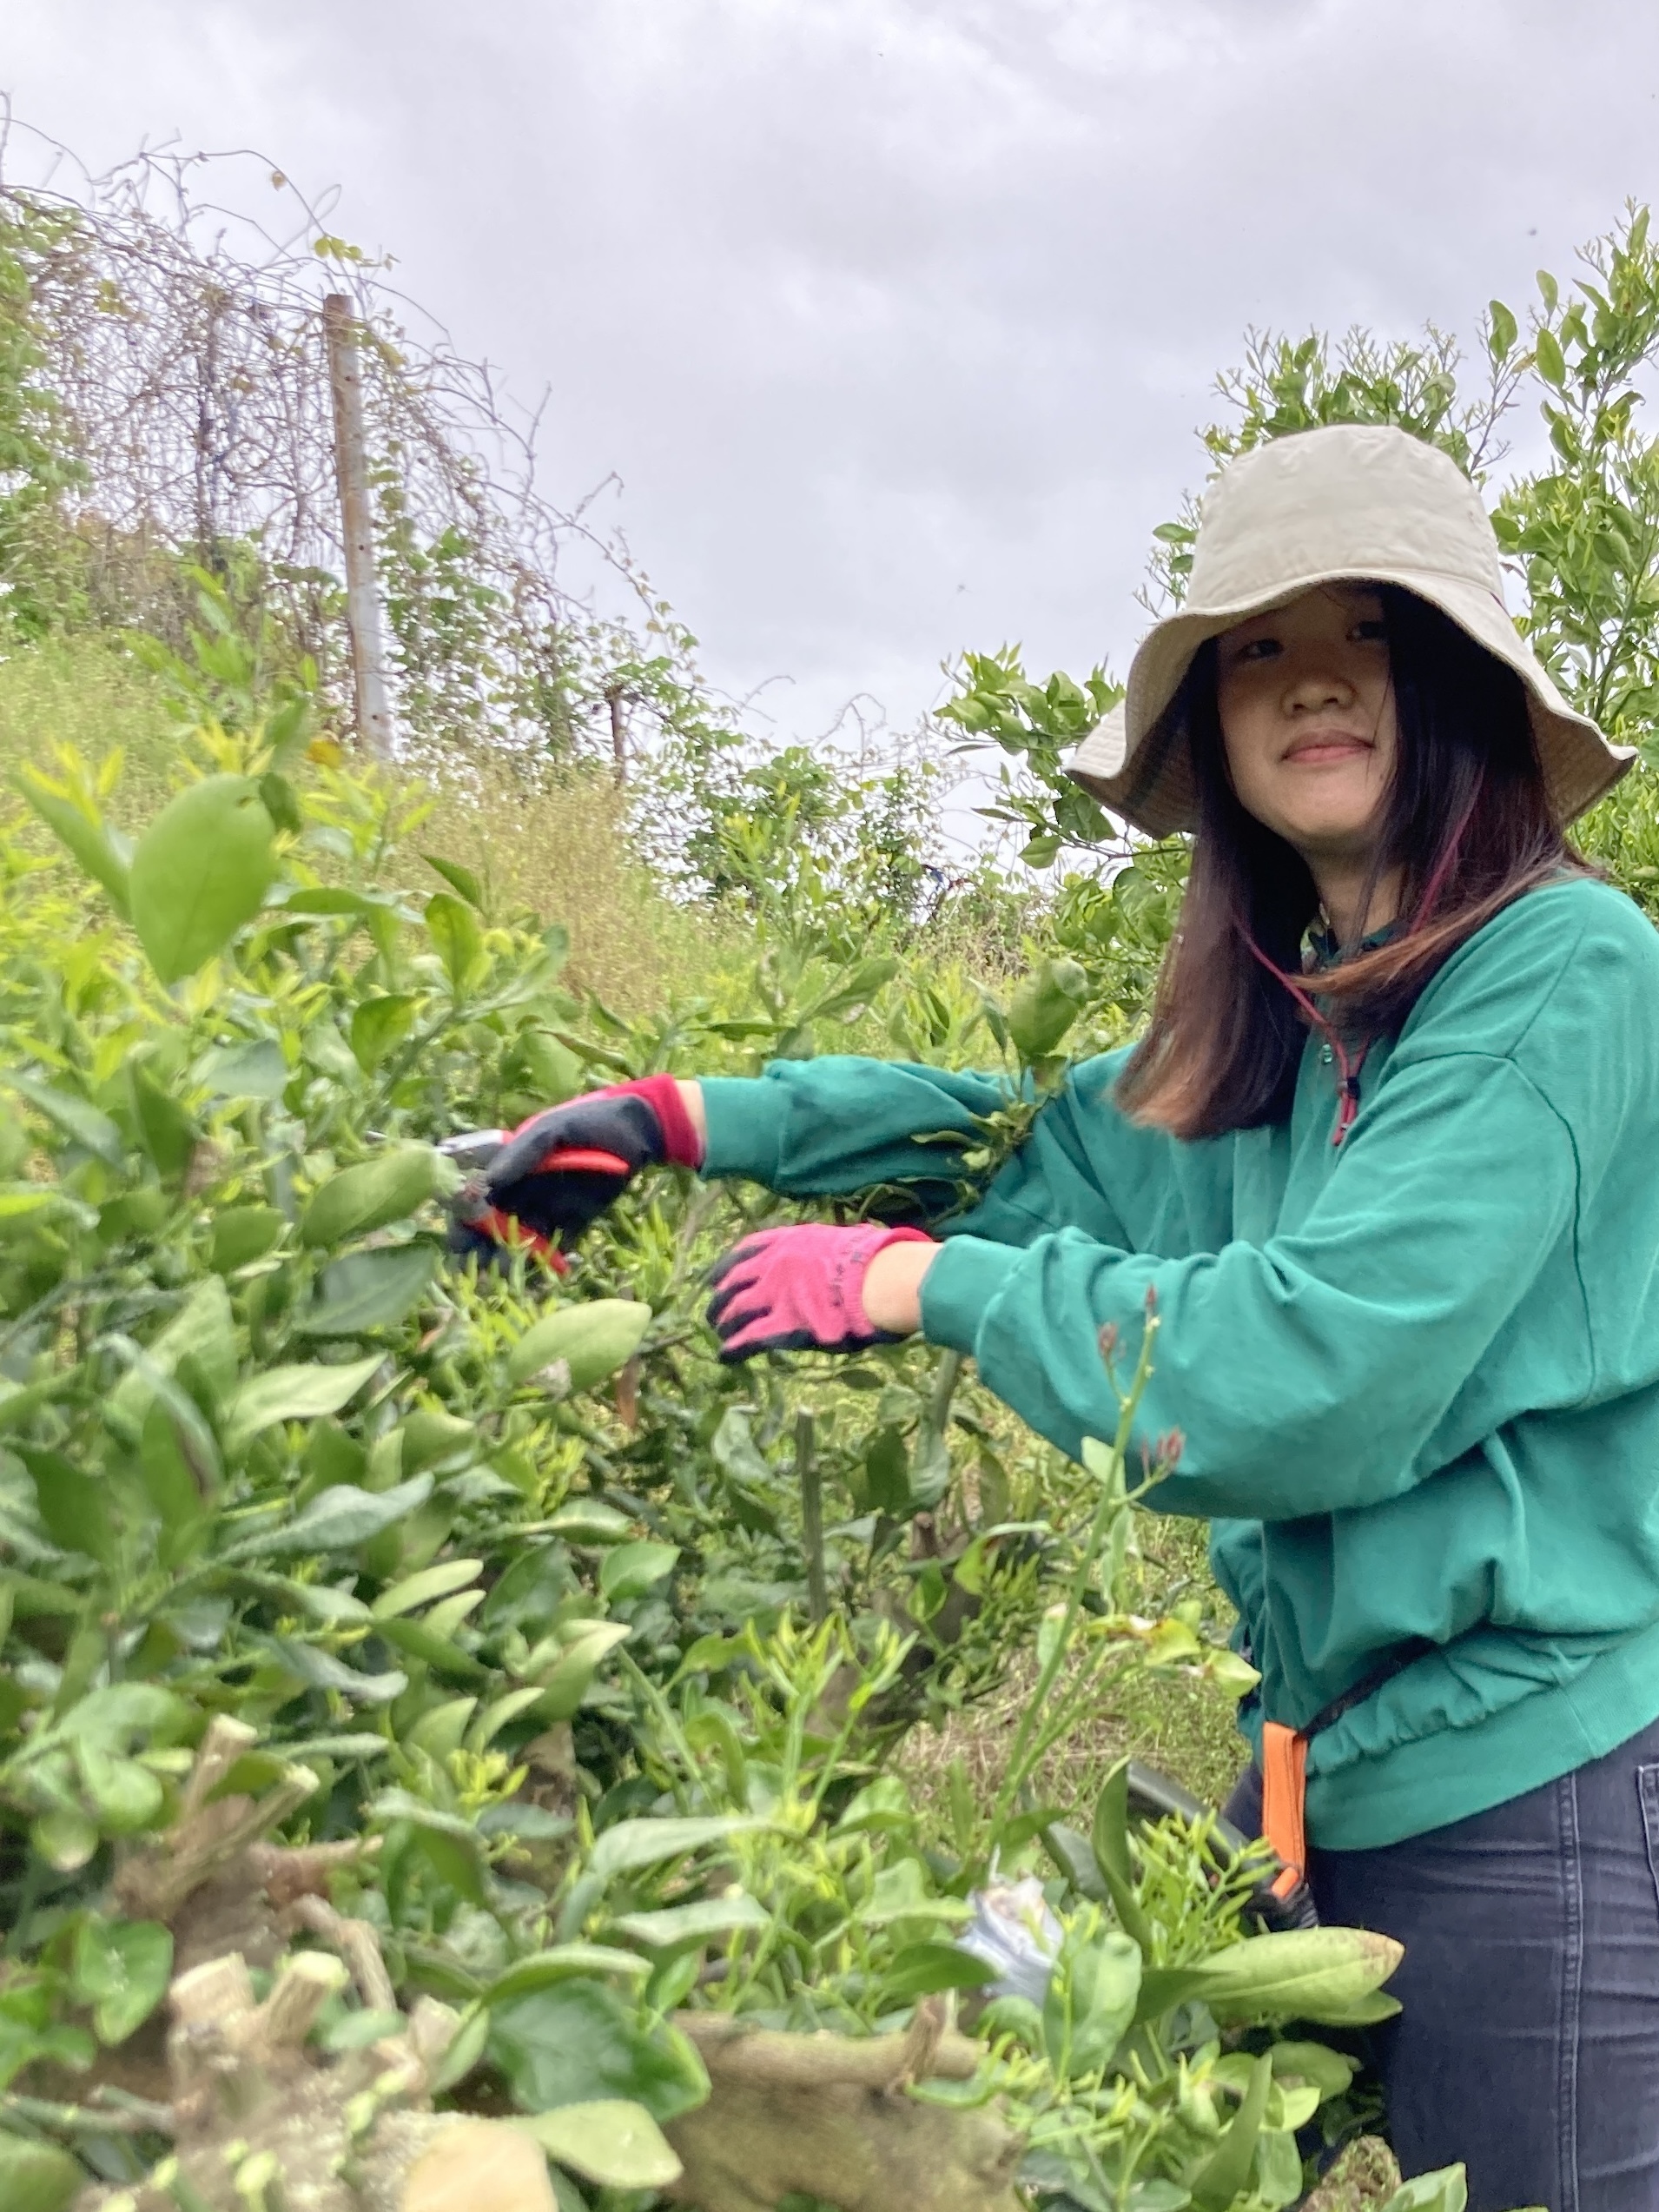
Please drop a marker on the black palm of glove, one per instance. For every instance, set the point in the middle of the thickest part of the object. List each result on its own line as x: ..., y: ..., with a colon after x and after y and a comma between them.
x: 547, y: 1176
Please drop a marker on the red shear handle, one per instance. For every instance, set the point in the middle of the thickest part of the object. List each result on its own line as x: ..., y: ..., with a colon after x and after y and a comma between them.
x: 575, y: 1159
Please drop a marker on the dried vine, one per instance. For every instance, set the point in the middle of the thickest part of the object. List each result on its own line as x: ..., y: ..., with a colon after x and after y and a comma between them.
x: 180, y: 369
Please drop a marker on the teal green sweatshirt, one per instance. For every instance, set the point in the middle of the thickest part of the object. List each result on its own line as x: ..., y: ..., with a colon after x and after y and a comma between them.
x: 1418, y: 1375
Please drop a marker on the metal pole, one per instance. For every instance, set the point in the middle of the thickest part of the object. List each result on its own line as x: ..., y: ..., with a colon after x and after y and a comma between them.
x: 350, y: 462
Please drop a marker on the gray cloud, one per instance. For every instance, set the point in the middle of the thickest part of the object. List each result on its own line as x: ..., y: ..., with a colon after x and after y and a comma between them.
x: 894, y: 317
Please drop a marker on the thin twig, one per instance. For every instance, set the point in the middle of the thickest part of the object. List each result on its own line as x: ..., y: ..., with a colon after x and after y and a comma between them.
x: 809, y: 1475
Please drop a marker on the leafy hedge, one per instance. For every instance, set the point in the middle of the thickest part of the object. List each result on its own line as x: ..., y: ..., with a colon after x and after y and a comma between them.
x: 354, y: 1599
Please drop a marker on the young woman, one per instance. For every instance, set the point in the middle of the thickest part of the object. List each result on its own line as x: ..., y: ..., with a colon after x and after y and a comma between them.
x: 1388, y: 1157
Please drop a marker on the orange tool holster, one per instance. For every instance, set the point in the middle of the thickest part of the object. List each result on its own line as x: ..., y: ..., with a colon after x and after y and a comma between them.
x: 1284, y: 1791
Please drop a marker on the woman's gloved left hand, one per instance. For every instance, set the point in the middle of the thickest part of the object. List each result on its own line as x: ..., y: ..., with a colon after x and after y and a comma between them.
x: 800, y: 1289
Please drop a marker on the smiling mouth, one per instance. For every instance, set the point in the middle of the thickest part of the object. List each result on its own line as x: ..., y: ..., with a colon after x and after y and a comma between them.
x: 1332, y: 745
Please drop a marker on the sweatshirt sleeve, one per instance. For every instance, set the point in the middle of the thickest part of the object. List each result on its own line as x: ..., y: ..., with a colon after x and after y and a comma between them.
x: 824, y: 1128
x: 827, y: 1127
x: 1309, y: 1372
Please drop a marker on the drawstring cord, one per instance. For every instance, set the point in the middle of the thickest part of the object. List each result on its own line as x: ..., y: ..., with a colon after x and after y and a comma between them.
x: 1351, y: 1065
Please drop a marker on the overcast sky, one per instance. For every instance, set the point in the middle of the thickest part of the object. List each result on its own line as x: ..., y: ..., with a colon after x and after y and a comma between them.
x: 894, y: 317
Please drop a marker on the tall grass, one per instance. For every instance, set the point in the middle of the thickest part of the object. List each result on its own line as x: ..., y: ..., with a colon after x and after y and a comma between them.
x: 553, y: 842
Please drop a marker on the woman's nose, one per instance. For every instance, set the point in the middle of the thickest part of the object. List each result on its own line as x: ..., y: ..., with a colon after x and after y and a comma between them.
x: 1312, y: 689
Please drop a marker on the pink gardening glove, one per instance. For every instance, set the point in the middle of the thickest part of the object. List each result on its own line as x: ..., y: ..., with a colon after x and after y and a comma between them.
x: 800, y: 1289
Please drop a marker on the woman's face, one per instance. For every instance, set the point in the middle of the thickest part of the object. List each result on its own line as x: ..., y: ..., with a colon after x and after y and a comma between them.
x: 1307, y: 714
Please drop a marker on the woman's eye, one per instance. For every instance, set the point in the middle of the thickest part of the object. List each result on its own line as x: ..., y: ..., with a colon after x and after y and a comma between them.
x: 1371, y: 632
x: 1260, y: 649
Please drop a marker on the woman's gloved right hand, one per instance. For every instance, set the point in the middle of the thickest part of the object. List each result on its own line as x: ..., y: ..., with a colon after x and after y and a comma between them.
x: 560, y: 1170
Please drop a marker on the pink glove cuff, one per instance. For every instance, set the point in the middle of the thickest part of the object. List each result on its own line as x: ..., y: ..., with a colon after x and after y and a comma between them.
x: 800, y: 1288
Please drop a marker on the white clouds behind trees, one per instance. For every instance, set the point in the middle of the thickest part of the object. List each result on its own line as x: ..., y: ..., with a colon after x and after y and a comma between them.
x: 894, y: 317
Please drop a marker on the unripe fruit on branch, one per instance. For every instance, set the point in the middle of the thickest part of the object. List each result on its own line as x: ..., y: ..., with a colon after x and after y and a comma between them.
x: 1045, y: 1004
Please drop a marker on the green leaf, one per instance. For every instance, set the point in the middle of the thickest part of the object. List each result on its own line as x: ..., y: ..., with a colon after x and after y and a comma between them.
x: 465, y: 2051
x: 1445, y: 2190
x: 593, y: 1340
x: 167, y: 1132
x: 455, y: 1859
x: 125, y: 1798
x: 1328, y: 2071
x: 320, y: 1670
x: 1110, y: 1839
x: 565, y: 1685
x: 1297, y: 1974
x: 633, y: 1844
x: 172, y: 1486
x: 86, y: 836
x: 375, y: 1193
x: 1502, y: 330
x: 294, y: 1393
x: 426, y: 1587
x: 458, y: 879
x: 378, y: 1026
x: 857, y: 990
x: 357, y: 2031
x: 75, y: 1506
x: 198, y: 1343
x: 432, y: 1439
x: 1223, y: 2174
x: 1091, y: 2000
x: 38, y: 2176
x: 1553, y: 365
x: 455, y: 935
x: 338, y: 1519
x: 201, y: 871
x: 883, y: 1803
x: 675, y: 1925
x: 630, y: 1570
x: 253, y: 1071
x: 241, y: 1234
x: 416, y: 1641
x: 611, y: 2141
x: 123, y: 1714
x: 579, y: 2044
x: 545, y: 1970
x: 81, y: 1122
x: 120, y: 1969
x: 370, y: 1290
x: 281, y: 802
x: 920, y: 1970
x: 589, y: 1520
x: 64, y: 1839
x: 886, y: 1475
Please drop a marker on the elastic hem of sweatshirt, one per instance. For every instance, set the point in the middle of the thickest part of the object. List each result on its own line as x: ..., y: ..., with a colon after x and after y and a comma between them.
x: 747, y: 1117
x: 958, y: 1286
x: 1456, y: 1772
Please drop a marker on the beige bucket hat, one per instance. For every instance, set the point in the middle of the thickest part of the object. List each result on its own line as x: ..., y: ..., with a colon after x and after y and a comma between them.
x: 1349, y: 503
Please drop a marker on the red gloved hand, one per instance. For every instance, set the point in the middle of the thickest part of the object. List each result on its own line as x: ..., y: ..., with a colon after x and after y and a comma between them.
x: 561, y: 1168
x: 800, y: 1289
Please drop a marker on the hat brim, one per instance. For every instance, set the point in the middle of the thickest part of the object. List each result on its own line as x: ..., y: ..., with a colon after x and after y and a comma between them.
x: 1138, y: 763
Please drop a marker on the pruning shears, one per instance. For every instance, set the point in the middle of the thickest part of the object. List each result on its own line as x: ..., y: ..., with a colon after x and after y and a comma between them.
x: 474, y: 1152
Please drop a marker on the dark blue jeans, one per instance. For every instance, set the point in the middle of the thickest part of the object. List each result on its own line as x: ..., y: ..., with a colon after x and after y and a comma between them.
x: 1529, y: 2045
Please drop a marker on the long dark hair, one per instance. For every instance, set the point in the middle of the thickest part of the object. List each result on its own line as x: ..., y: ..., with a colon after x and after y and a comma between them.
x: 1468, y: 823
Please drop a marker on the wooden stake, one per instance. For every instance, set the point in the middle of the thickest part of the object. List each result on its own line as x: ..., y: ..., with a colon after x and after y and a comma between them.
x: 351, y: 463
x: 619, y: 734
